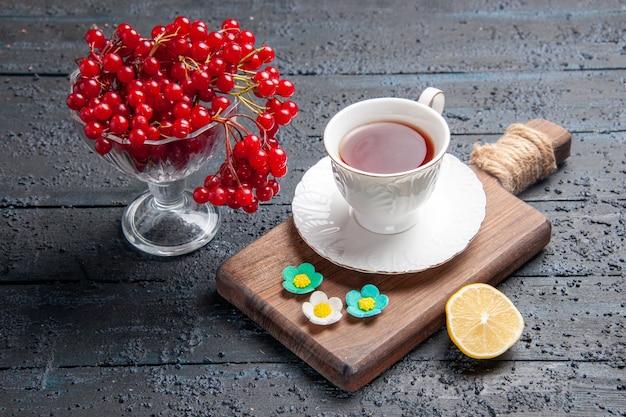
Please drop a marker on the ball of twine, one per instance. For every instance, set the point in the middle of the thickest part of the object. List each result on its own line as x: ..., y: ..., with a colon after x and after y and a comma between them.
x: 518, y: 159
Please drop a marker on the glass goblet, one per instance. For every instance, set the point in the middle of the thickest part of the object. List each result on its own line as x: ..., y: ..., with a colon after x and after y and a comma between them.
x: 165, y: 220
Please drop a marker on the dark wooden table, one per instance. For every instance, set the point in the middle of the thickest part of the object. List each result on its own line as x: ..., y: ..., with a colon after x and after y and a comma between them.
x: 89, y: 326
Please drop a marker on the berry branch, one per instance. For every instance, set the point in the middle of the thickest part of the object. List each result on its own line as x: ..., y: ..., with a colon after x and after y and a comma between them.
x: 140, y: 92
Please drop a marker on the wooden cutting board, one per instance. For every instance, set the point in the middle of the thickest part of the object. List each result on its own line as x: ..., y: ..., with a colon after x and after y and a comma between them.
x: 353, y: 351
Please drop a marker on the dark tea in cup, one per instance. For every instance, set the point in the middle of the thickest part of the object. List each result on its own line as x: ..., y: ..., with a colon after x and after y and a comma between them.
x: 386, y: 147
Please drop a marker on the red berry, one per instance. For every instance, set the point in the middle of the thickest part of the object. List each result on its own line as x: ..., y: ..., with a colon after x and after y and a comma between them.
x: 129, y: 36
x: 151, y: 88
x: 264, y: 193
x: 212, y: 181
x: 183, y: 25
x: 282, y: 116
x: 111, y: 62
x: 136, y: 98
x: 244, y: 196
x: 118, y: 124
x: 112, y: 99
x: 151, y: 65
x: 122, y: 27
x: 165, y: 128
x: 178, y: 45
x: 201, y: 80
x: 86, y: 114
x: 273, y: 131
x: 199, y: 51
x: 89, y: 67
x: 95, y: 38
x: 173, y: 91
x: 157, y: 31
x: 274, y: 73
x: 139, y: 122
x: 102, y: 145
x: 75, y: 101
x: 137, y: 137
x: 181, y: 128
x: 206, y: 95
x: 89, y: 88
x: 259, y: 161
x: 240, y: 151
x: 121, y: 109
x: 218, y: 196
x: 260, y: 76
x: 201, y: 195
x: 273, y: 104
x: 267, y: 54
x: 271, y: 142
x: 216, y: 67
x: 266, y: 88
x: 280, y: 171
x: 215, y: 40
x: 219, y: 104
x: 152, y: 133
x: 181, y: 109
x: 258, y: 179
x: 198, y: 31
x: 252, y: 207
x: 199, y: 117
x: 144, y: 110
x: 252, y: 62
x: 232, y: 52
x: 93, y: 130
x: 292, y: 107
x: 126, y: 74
x: 277, y: 158
x: 178, y: 71
x: 230, y: 24
x: 252, y: 143
x: 143, y: 48
x: 265, y: 121
x: 244, y: 170
x: 275, y: 186
x: 246, y: 36
x: 285, y: 88
x: 181, y: 79
x: 230, y: 196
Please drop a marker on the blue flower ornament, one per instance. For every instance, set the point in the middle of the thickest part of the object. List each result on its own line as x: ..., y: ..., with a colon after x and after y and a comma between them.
x: 367, y: 302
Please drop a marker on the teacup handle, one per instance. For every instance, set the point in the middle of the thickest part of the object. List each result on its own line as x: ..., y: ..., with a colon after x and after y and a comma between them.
x: 433, y: 97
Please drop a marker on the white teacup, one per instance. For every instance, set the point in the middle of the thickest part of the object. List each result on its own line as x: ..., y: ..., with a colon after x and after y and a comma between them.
x: 388, y: 203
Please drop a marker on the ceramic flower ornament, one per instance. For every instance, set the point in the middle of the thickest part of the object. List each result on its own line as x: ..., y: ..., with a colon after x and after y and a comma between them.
x: 322, y: 310
x: 301, y: 280
x: 367, y: 302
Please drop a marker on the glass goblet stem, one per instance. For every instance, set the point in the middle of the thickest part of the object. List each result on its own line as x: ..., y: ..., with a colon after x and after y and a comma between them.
x: 166, y: 221
x: 168, y: 196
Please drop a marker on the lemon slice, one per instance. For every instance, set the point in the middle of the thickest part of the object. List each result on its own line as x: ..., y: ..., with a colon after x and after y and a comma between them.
x: 482, y: 322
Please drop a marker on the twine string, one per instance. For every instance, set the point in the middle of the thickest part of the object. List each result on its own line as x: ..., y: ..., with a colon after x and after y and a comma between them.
x: 518, y: 159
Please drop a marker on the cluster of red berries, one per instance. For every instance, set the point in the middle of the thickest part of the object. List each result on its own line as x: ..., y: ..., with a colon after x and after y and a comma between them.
x: 136, y: 92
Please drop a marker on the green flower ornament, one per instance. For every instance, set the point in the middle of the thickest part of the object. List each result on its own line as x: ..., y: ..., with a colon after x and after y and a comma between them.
x: 301, y: 280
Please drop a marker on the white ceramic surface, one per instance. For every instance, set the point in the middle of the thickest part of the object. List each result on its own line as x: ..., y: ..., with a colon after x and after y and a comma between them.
x: 445, y: 225
x: 387, y: 203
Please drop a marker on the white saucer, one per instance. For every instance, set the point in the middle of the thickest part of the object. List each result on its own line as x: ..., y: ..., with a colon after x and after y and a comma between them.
x: 447, y: 223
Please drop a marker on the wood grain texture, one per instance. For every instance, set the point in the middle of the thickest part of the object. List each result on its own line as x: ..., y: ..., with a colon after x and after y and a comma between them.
x: 353, y: 352
x: 90, y: 327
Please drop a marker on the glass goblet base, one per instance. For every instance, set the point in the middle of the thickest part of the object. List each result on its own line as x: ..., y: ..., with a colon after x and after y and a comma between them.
x: 168, y: 222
